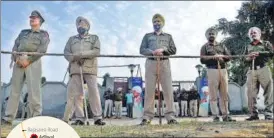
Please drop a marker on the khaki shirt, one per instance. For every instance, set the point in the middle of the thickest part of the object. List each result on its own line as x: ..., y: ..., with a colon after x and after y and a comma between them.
x: 152, y: 41
x: 31, y: 41
x: 265, y: 50
x: 209, y: 49
x: 89, y: 45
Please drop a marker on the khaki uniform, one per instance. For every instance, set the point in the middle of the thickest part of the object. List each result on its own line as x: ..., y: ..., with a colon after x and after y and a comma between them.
x: 27, y: 41
x: 89, y: 45
x: 79, y: 109
x: 118, y: 97
x: 262, y: 76
x: 214, y: 80
x: 151, y: 42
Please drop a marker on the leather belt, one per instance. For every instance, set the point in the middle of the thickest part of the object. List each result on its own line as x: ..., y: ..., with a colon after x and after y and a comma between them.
x: 256, y: 67
x: 156, y: 58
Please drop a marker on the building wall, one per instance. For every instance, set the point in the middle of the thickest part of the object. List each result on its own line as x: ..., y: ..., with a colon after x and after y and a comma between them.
x: 235, y: 97
x: 54, y: 96
x: 239, y: 97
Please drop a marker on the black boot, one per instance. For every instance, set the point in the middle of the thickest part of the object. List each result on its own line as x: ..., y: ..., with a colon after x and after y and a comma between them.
x: 172, y: 121
x: 253, y: 117
x: 228, y: 119
x: 268, y: 117
x: 5, y: 122
x: 145, y: 122
x: 216, y: 119
x: 99, y: 122
x: 78, y: 122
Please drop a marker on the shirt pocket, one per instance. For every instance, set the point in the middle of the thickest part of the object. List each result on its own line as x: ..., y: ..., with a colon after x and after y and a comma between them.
x: 210, y: 50
x: 75, y: 45
x: 152, y: 42
x: 164, y: 42
x: 88, y: 44
x: 219, y: 50
x: 75, y: 42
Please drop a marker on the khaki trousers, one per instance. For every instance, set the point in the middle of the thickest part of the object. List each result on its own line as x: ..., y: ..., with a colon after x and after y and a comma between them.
x: 75, y: 89
x: 214, y: 84
x: 261, y: 77
x: 78, y: 107
x: 166, y: 83
x: 32, y: 74
x: 118, y: 108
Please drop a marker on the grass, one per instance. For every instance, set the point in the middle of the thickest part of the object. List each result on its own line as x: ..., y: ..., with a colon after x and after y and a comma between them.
x: 184, y: 129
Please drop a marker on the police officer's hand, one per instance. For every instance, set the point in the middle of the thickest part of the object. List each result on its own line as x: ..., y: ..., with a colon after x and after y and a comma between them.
x: 25, y: 63
x: 252, y: 55
x: 158, y: 52
x: 219, y: 57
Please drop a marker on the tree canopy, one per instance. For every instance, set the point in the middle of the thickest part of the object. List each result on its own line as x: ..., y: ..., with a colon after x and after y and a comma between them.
x: 252, y: 13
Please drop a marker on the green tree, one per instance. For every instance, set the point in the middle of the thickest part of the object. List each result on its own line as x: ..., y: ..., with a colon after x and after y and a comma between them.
x: 107, y: 75
x: 252, y: 13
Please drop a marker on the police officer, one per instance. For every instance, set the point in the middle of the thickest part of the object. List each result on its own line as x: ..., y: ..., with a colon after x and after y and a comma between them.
x: 118, y: 98
x: 108, y: 103
x: 175, y: 102
x: 158, y: 43
x: 193, y: 103
x: 219, y: 51
x: 28, y: 68
x: 184, y: 97
x: 261, y: 51
x: 84, y: 45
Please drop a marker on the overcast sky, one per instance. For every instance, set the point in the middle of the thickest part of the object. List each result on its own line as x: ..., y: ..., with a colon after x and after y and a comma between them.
x: 120, y: 27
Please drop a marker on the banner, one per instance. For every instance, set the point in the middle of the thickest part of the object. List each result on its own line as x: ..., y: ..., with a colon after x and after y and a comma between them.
x: 204, y: 95
x: 137, y: 92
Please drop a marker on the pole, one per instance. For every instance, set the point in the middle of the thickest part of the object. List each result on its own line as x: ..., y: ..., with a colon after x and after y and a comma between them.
x: 85, y: 102
x: 252, y: 87
x: 65, y: 76
x: 158, y: 89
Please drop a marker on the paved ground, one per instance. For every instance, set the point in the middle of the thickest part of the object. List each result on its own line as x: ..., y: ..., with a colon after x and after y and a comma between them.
x: 129, y: 122
x: 125, y: 121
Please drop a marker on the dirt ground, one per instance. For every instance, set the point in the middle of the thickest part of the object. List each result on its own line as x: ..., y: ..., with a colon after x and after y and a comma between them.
x: 184, y: 129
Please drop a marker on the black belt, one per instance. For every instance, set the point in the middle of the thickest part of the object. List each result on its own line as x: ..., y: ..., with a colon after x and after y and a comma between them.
x: 256, y: 67
x: 215, y: 67
x: 156, y: 58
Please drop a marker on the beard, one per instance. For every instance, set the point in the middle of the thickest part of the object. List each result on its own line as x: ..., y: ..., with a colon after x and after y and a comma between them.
x: 256, y: 37
x: 211, y: 39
